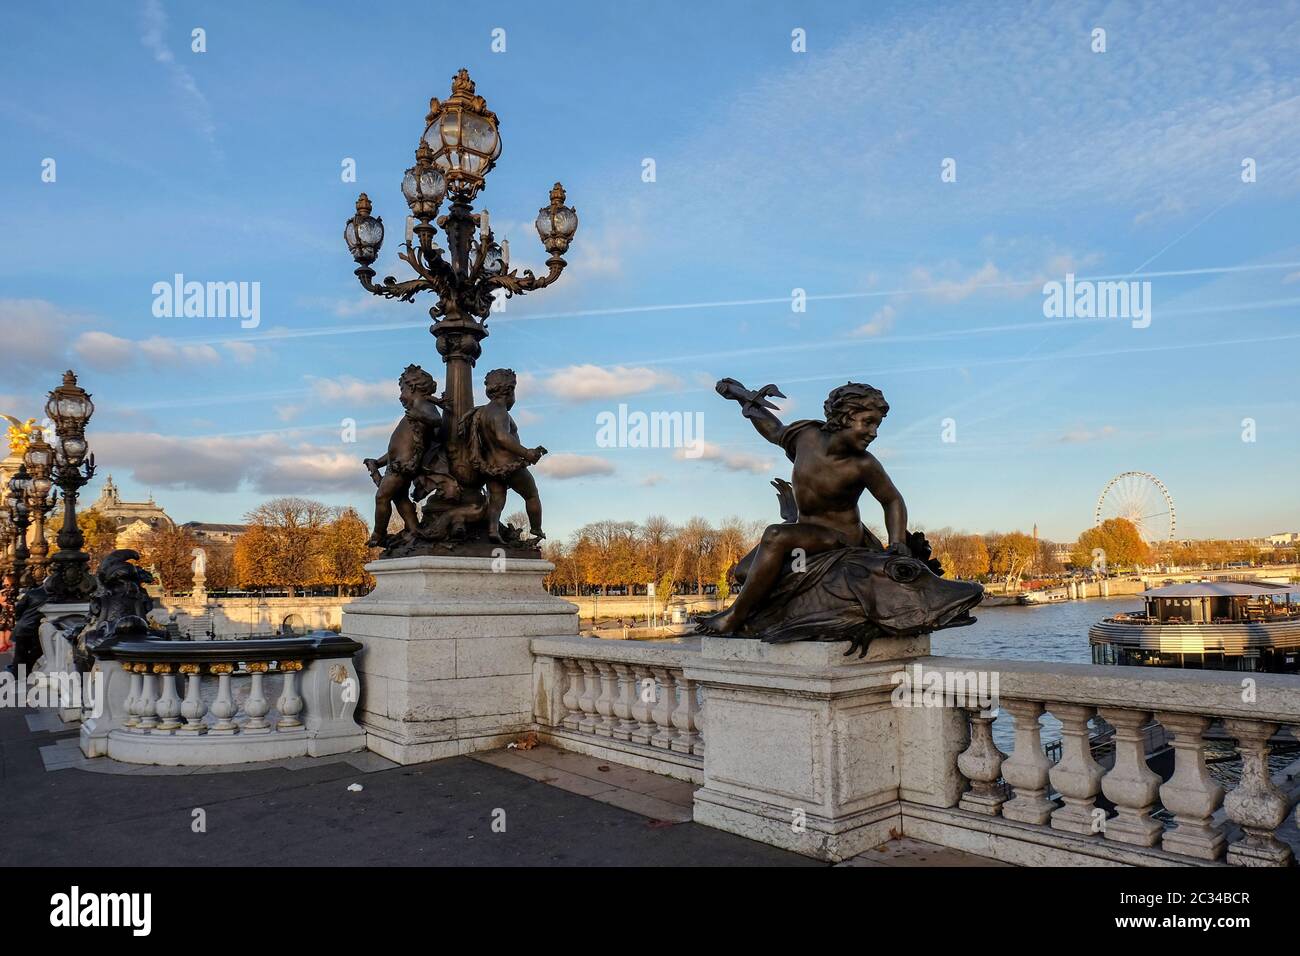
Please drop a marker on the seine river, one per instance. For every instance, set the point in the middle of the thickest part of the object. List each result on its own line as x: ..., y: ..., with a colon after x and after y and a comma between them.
x: 1043, y: 632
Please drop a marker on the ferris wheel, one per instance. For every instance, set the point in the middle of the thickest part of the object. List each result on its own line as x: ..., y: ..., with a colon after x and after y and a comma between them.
x: 1141, y: 498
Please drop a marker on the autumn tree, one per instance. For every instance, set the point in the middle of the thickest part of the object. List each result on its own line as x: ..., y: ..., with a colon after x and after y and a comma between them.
x: 343, y: 551
x: 169, y: 551
x: 1117, y: 539
x: 1011, y: 555
x: 962, y: 555
x: 287, y: 542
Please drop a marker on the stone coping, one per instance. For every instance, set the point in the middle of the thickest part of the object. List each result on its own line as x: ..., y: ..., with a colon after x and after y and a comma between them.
x: 455, y: 563
x: 667, y: 653
x: 325, y: 644
x: 1204, y: 692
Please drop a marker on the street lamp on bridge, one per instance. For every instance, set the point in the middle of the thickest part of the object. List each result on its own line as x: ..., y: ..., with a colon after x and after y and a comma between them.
x: 69, y: 407
x: 459, y: 147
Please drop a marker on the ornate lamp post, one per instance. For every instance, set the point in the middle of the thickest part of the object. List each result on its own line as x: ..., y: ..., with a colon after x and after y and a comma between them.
x: 39, y: 458
x: 460, y: 145
x: 18, y: 516
x: 70, y: 408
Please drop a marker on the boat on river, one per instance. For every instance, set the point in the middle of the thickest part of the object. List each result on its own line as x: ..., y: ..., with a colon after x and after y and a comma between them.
x: 1213, y: 625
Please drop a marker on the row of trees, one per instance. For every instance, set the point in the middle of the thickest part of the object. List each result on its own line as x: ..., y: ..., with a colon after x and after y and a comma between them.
x: 291, y: 543
x: 684, y: 558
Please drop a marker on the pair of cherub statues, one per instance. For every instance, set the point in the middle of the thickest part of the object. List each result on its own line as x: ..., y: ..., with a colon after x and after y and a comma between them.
x: 460, y: 470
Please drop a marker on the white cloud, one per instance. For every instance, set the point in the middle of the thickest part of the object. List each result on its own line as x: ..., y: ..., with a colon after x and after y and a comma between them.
x: 269, y: 463
x: 563, y: 465
x: 1079, y: 435
x: 163, y: 351
x: 104, y: 351
x: 879, y: 323
x: 954, y: 290
x: 196, y: 104
x: 732, y: 461
x: 580, y: 383
x: 242, y: 352
x: 347, y: 388
x: 33, y: 339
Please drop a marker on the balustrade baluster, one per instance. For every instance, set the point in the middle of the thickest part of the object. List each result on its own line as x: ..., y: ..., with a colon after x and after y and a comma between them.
x: 623, y: 703
x: 684, y: 717
x: 698, y: 749
x: 643, y: 705
x: 147, y: 701
x: 590, y: 693
x: 663, y: 712
x: 256, y: 706
x: 1076, y: 776
x: 290, y: 702
x: 1256, y: 805
x: 981, y: 764
x: 1191, y: 794
x: 168, y: 707
x: 223, y: 708
x: 1026, y: 769
x: 134, y: 690
x: 1131, y: 785
x: 572, y: 694
x: 605, y: 703
x: 193, y: 709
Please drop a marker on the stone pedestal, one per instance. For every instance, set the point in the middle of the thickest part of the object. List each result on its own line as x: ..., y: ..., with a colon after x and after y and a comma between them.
x: 804, y: 744
x: 56, y: 662
x: 447, y: 668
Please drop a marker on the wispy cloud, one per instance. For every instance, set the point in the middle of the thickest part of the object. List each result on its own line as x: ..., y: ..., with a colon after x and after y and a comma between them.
x: 197, y: 108
x: 564, y: 465
x: 580, y: 383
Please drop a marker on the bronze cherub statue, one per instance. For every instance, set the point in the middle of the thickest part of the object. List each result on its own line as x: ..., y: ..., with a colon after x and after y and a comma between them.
x: 821, y: 574
x: 494, y: 449
x: 413, y: 443
x: 457, y: 472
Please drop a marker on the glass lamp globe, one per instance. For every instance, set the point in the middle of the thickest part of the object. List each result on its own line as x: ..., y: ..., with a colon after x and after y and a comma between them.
x: 364, y: 233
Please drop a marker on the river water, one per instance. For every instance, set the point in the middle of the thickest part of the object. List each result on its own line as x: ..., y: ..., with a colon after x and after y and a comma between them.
x: 1043, y: 632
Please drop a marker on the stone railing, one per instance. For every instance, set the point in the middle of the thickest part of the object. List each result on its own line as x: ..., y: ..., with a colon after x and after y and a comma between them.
x: 626, y: 701
x: 192, y: 703
x: 1022, y: 808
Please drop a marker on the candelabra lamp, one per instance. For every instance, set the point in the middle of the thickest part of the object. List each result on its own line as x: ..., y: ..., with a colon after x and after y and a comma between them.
x: 39, y: 459
x: 459, y: 147
x: 69, y: 407
x: 19, y: 518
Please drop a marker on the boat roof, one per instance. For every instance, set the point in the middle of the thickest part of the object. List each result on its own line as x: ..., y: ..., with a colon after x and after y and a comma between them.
x: 1222, y: 589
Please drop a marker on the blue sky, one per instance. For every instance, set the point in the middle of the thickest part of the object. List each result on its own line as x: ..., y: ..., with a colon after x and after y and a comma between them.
x: 775, y: 170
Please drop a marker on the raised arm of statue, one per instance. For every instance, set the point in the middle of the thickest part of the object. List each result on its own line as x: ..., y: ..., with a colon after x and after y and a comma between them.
x: 755, y: 406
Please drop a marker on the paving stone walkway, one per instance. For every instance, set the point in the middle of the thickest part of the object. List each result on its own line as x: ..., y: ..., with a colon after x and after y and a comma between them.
x: 558, y: 808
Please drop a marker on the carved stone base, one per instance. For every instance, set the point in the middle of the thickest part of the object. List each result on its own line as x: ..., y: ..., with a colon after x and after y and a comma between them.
x: 803, y: 743
x: 447, y: 667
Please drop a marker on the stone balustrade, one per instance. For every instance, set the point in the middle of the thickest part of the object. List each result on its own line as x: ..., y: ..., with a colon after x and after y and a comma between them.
x: 623, y: 700
x: 183, y: 703
x: 1023, y: 808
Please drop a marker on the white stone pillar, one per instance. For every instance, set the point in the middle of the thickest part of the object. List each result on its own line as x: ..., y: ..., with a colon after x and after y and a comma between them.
x: 446, y: 663
x: 803, y: 743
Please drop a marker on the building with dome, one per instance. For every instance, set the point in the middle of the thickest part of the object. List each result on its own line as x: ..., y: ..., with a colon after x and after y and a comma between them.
x: 134, y: 519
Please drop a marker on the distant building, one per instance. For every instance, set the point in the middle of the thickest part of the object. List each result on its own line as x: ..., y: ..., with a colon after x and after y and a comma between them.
x: 1284, y: 539
x: 139, y: 517
x: 215, y: 533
